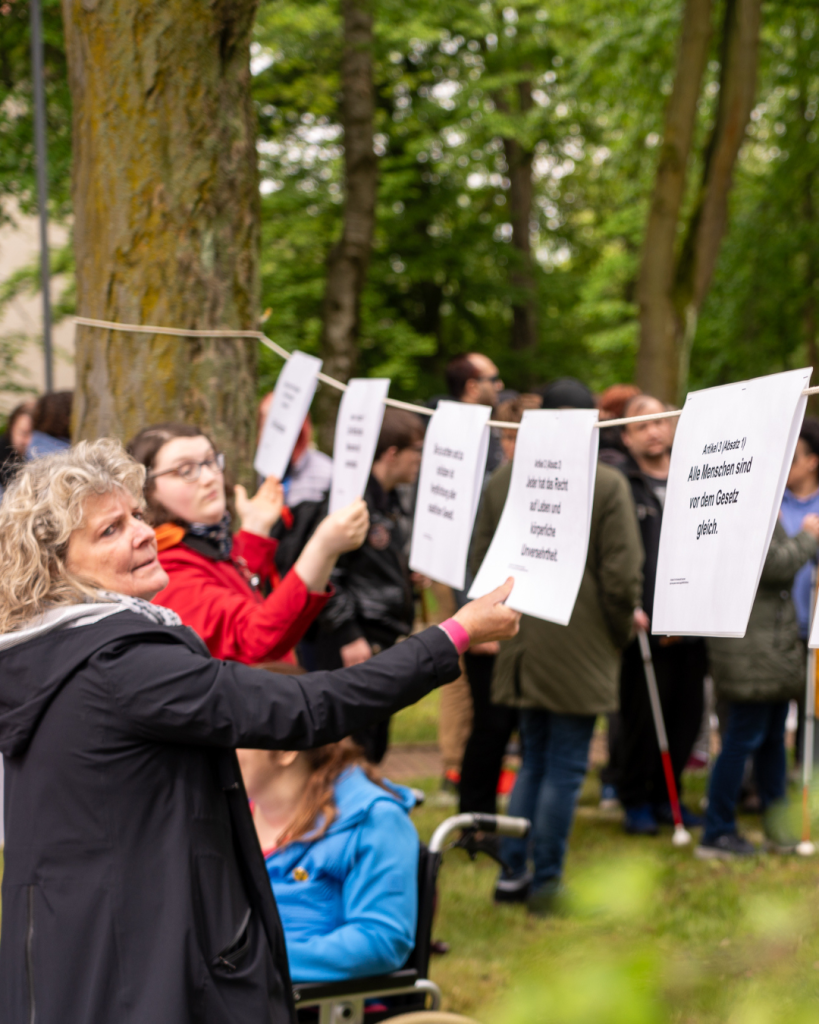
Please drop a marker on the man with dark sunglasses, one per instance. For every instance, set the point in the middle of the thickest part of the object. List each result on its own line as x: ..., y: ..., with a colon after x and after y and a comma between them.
x: 473, y: 378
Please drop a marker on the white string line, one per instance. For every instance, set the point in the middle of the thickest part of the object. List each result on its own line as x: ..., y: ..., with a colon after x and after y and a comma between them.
x: 182, y: 332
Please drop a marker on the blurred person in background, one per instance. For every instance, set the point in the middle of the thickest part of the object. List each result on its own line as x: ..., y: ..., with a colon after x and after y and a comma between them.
x: 757, y: 676
x: 15, y: 441
x: 310, y: 472
x: 373, y: 605
x: 52, y: 424
x: 801, y: 498
x: 492, y: 724
x: 472, y: 378
x: 511, y: 411
x: 611, y: 404
x: 679, y: 662
x: 217, y: 580
x: 560, y: 678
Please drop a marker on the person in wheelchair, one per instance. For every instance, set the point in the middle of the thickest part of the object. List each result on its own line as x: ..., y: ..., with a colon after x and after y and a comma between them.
x: 342, y: 856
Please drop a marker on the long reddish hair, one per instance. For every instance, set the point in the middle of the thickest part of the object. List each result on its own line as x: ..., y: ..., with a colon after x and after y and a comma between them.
x: 318, y: 802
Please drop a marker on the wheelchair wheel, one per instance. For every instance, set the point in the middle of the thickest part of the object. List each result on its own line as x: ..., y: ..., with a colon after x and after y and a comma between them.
x: 431, y: 1017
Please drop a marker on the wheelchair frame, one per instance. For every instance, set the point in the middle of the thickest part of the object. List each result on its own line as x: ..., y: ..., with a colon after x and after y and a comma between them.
x: 343, y: 1002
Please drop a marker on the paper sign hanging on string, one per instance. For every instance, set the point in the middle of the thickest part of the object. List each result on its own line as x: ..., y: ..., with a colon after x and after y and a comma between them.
x: 357, y: 428
x: 449, y: 488
x: 732, y: 452
x: 542, y: 538
x: 291, y: 402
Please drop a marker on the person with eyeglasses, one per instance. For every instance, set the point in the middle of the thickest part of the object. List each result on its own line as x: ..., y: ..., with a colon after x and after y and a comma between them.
x: 223, y: 585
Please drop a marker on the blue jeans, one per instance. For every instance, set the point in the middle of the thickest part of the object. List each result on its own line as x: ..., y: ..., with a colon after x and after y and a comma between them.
x: 754, y: 728
x: 555, y: 758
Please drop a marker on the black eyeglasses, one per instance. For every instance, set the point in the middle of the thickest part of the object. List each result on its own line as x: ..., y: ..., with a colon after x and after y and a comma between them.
x: 191, y: 471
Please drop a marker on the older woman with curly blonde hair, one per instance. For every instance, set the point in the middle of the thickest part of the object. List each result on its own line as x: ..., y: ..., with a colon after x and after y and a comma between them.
x: 134, y: 887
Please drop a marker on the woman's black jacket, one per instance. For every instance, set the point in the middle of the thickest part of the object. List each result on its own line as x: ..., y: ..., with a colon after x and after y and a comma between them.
x: 134, y: 886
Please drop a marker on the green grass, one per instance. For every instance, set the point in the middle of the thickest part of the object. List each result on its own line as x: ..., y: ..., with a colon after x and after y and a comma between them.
x: 418, y: 723
x: 651, y: 935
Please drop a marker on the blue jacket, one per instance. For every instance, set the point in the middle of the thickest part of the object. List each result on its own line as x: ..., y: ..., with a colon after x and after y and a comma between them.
x: 793, y: 512
x: 44, y: 444
x: 349, y: 900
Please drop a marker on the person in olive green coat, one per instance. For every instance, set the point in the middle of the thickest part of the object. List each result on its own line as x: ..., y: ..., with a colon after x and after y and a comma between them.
x: 758, y: 675
x: 562, y: 677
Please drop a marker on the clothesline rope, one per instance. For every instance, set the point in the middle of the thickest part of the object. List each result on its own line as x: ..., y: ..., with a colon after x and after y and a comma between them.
x: 183, y: 332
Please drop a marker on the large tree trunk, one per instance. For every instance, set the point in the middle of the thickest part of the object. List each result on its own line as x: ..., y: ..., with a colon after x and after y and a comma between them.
x: 657, y: 359
x: 522, y: 278
x: 166, y: 213
x: 709, y: 222
x: 347, y: 263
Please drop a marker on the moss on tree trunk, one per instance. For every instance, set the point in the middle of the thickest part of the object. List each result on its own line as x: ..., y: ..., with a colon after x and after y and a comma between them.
x: 166, y: 213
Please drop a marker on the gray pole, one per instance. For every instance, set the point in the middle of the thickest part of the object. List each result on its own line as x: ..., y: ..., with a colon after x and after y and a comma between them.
x: 42, y: 179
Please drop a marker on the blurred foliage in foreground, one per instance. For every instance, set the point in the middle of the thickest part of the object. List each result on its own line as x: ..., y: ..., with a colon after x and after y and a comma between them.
x: 650, y: 936
x: 641, y: 982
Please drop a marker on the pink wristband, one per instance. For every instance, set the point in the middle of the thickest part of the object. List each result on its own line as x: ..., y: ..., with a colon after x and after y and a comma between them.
x: 457, y: 634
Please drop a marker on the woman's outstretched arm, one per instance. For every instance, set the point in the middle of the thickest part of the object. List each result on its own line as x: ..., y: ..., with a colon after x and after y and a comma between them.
x: 167, y: 692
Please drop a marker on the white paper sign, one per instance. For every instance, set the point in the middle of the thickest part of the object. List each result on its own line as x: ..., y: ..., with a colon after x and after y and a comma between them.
x: 449, y: 488
x: 357, y: 428
x: 732, y: 453
x: 291, y: 402
x: 542, y: 538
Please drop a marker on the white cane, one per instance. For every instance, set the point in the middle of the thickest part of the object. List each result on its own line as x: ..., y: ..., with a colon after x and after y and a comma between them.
x: 681, y: 835
x: 806, y: 848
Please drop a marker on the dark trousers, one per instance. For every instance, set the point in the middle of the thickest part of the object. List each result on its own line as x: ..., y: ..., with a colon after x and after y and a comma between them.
x: 555, y: 758
x: 680, y: 668
x: 610, y: 772
x: 492, y: 725
x: 754, y: 729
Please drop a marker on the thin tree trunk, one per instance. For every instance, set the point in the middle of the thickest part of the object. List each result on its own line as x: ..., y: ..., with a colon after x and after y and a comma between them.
x: 810, y: 321
x: 166, y: 214
x: 524, y: 304
x: 709, y: 222
x: 348, y: 260
x: 657, y: 362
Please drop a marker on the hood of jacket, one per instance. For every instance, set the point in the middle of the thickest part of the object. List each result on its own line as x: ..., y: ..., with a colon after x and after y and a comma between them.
x: 35, y: 662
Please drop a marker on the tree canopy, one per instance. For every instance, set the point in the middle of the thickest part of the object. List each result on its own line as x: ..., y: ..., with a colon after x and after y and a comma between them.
x: 579, y: 90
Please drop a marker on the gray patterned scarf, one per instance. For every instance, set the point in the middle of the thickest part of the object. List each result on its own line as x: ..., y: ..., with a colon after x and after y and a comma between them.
x: 155, y: 612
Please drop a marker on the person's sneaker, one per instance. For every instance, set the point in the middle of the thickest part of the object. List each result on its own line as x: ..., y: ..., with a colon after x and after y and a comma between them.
x: 451, y: 782
x: 512, y: 888
x: 664, y: 816
x: 725, y: 847
x: 609, y: 801
x: 640, y: 821
x: 547, y: 901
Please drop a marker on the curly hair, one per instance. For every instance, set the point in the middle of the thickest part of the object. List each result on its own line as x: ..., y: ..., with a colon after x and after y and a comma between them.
x: 41, y: 508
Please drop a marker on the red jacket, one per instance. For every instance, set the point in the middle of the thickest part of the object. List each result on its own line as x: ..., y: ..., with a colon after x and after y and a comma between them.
x: 216, y: 600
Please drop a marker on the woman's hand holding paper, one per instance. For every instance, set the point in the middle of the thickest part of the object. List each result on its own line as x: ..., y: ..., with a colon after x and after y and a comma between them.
x: 488, y: 618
